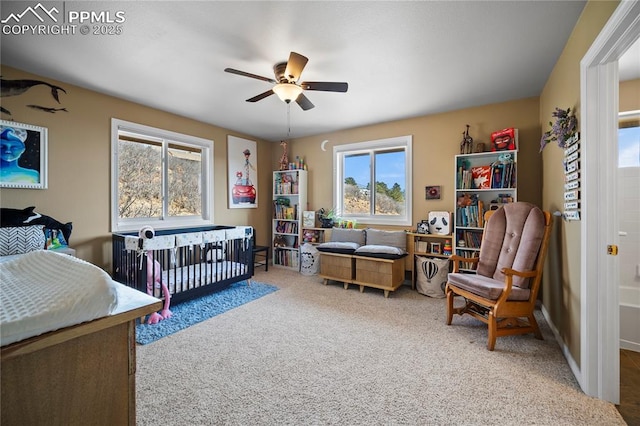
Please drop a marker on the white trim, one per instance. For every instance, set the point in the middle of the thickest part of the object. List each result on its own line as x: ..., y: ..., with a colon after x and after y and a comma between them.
x: 599, y: 316
x: 404, y: 142
x: 573, y: 365
x: 207, y: 178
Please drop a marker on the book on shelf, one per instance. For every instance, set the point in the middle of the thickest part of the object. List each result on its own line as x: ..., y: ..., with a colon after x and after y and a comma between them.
x: 470, y: 211
x: 285, y: 212
x: 481, y: 177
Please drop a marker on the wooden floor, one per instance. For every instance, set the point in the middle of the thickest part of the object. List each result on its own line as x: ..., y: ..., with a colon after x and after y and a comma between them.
x: 629, y: 406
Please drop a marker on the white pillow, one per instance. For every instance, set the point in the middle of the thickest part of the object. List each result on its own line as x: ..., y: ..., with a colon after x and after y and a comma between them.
x: 21, y: 239
x: 432, y: 274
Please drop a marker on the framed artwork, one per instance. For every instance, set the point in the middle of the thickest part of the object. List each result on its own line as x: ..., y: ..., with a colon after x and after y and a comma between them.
x: 435, y: 248
x: 309, y: 219
x: 432, y: 192
x: 242, y: 173
x: 23, y: 156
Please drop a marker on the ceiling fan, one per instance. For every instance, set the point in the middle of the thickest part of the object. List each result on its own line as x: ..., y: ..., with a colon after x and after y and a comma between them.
x: 286, y: 84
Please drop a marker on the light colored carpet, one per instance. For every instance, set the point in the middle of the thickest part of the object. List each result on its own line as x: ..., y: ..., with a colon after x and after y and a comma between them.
x: 316, y: 354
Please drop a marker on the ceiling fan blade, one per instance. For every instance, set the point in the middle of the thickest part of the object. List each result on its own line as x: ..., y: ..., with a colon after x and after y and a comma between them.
x: 260, y: 96
x: 304, y: 102
x: 295, y: 65
x: 246, y: 74
x: 325, y: 86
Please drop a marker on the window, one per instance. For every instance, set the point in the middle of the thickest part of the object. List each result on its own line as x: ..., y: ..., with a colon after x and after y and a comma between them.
x: 372, y: 181
x: 629, y: 139
x: 159, y: 178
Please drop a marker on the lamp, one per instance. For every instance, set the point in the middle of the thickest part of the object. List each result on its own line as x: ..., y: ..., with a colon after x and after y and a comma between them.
x: 287, y: 92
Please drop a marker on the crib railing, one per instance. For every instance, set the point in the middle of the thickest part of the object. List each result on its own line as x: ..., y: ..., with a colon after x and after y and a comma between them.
x: 189, y: 262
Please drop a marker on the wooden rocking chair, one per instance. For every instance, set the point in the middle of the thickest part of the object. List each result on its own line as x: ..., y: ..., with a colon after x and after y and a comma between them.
x: 503, y: 292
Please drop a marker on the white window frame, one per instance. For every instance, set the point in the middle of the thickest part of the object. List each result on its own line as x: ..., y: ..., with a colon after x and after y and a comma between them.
x: 205, y: 219
x: 340, y: 151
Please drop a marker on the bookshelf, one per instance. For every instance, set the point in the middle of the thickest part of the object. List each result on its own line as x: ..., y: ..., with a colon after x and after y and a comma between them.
x: 289, y: 200
x: 483, y: 182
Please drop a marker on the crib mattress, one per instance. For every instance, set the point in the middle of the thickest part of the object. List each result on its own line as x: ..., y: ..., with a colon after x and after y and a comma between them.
x: 191, y: 276
x: 43, y: 291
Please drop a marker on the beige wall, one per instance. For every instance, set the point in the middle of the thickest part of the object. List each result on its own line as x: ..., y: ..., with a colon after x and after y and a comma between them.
x: 79, y: 166
x: 561, y: 282
x: 629, y: 95
x: 436, y: 140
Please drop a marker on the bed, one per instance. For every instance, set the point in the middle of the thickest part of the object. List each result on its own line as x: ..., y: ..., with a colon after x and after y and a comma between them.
x: 67, y: 341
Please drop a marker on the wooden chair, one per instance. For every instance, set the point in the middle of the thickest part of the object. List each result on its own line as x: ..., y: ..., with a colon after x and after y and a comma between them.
x: 503, y: 292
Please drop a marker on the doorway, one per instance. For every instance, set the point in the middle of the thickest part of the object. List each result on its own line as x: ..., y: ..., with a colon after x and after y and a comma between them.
x: 600, y: 322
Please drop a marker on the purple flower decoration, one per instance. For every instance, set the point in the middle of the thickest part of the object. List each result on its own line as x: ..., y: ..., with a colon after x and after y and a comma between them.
x: 565, y: 126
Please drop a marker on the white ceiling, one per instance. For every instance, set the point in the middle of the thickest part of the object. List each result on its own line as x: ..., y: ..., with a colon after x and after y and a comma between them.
x: 401, y: 59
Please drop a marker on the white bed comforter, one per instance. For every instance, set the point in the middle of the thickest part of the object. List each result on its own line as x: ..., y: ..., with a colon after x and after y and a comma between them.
x: 42, y: 291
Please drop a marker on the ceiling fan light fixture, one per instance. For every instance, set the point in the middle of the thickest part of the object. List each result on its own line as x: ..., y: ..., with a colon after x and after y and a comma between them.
x: 287, y: 92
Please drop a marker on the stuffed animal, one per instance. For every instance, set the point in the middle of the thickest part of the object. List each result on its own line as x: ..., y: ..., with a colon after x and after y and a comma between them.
x: 154, y: 280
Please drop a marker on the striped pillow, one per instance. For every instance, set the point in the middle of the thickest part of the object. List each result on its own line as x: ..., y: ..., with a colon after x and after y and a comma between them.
x: 21, y: 239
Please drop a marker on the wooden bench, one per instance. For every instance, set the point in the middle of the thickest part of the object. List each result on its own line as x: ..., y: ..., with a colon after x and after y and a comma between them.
x: 385, y: 274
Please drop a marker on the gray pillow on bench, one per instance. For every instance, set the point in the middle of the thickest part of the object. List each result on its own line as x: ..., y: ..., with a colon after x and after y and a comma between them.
x: 387, y: 238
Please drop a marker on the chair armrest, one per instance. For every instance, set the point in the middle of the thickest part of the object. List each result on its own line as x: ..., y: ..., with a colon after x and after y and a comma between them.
x: 457, y: 259
x: 523, y: 274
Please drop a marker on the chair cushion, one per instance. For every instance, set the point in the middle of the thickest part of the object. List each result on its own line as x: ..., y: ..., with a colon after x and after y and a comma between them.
x: 344, y: 235
x: 378, y: 237
x: 338, y: 247
x: 511, y: 239
x: 486, y: 287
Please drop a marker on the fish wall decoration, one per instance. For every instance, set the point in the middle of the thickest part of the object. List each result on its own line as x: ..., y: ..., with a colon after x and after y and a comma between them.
x: 18, y: 87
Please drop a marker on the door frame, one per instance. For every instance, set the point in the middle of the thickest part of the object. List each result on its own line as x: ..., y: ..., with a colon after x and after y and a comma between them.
x: 599, y: 317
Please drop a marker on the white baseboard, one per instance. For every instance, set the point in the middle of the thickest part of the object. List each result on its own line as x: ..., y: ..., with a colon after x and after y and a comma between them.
x: 632, y: 346
x: 565, y: 349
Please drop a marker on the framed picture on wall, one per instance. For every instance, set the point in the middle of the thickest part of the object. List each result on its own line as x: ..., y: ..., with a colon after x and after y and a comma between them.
x: 242, y: 173
x: 24, y: 155
x: 432, y: 192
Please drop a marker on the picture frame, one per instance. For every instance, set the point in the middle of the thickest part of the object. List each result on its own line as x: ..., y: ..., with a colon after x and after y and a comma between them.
x: 432, y: 192
x: 309, y: 219
x: 436, y: 248
x: 242, y: 173
x: 422, y: 227
x: 24, y: 156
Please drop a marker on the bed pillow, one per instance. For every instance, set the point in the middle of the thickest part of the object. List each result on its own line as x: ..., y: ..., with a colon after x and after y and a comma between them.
x: 344, y: 235
x: 432, y: 275
x: 55, y: 239
x: 29, y: 217
x: 379, y: 237
x: 21, y: 239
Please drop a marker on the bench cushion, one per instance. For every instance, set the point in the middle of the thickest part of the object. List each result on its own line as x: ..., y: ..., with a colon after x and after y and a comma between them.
x: 381, y: 252
x: 338, y: 247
